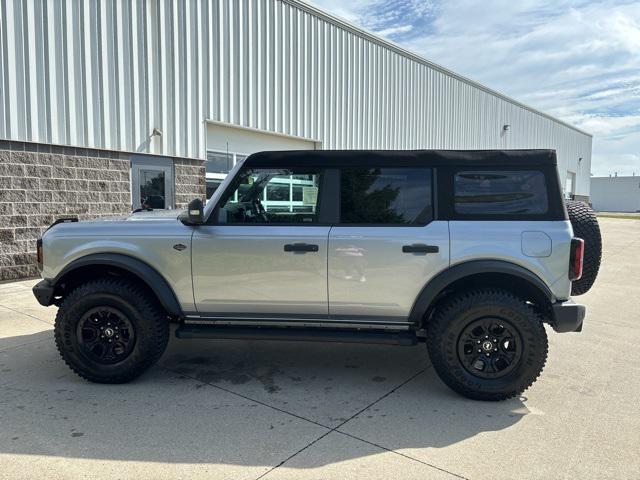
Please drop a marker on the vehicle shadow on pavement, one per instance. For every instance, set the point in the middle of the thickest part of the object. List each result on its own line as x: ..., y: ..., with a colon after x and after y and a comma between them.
x: 235, y: 402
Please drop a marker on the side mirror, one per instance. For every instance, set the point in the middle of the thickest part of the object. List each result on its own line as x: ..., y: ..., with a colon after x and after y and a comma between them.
x: 195, y: 212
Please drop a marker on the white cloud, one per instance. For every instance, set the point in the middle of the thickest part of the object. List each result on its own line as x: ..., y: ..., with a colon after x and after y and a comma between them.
x: 387, y: 32
x: 577, y: 60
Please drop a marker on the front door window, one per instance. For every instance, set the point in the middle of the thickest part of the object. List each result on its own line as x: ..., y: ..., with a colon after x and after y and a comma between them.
x: 270, y: 196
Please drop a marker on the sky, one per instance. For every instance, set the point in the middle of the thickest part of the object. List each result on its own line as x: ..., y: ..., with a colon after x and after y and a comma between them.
x: 576, y: 60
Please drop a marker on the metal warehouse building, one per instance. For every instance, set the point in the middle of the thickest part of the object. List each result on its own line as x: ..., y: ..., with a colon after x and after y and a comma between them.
x: 615, y: 194
x: 105, y: 106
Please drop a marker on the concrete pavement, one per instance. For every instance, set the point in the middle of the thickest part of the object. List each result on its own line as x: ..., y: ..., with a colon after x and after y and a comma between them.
x: 240, y: 409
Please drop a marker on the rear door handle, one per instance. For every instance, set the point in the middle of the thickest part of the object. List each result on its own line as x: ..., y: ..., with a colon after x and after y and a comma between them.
x: 300, y: 247
x: 420, y: 248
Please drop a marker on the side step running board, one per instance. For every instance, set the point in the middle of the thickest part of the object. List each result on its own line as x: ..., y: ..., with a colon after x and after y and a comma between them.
x: 298, y: 334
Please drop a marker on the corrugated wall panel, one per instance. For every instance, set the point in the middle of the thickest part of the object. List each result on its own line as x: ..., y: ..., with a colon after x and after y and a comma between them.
x: 105, y: 73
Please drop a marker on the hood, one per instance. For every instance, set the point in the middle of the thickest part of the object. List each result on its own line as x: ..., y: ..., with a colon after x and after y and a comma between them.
x: 154, y: 223
x: 144, y: 216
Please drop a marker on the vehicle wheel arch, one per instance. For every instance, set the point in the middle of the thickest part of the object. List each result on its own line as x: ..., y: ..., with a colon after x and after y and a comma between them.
x: 105, y: 264
x: 488, y: 273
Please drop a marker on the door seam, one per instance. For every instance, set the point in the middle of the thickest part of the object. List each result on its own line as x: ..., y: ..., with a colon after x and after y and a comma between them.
x: 327, y: 278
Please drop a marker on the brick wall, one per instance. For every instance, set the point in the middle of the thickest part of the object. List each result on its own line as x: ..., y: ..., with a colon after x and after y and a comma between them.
x: 189, y: 180
x: 41, y: 183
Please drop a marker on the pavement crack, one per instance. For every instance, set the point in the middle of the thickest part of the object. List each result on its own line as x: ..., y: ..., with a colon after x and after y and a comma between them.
x: 243, y: 396
x: 415, y: 375
x: 27, y: 314
x: 294, y: 454
x: 335, y: 429
x: 408, y: 457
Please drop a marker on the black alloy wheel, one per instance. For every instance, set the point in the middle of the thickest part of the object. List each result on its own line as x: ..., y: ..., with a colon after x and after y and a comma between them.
x: 489, y: 347
x: 106, y: 335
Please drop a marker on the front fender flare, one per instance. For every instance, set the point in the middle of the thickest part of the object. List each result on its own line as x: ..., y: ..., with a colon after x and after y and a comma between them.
x: 152, y: 278
x: 445, y: 278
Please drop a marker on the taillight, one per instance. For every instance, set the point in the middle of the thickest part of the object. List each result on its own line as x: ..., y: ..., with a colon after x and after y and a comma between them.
x: 39, y: 257
x: 576, y: 259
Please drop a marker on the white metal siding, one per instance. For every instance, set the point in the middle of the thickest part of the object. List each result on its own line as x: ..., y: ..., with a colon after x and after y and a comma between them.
x: 105, y: 73
x: 615, y: 194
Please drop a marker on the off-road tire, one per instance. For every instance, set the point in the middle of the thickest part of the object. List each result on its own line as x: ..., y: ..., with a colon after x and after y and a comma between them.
x: 585, y: 226
x: 149, y: 321
x: 450, y: 319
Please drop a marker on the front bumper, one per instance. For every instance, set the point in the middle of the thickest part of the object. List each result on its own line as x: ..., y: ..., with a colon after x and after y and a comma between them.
x: 43, y: 291
x: 568, y: 316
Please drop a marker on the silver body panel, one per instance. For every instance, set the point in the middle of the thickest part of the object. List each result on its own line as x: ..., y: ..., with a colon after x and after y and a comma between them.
x: 148, y: 237
x: 503, y: 240
x: 244, y: 269
x: 369, y: 275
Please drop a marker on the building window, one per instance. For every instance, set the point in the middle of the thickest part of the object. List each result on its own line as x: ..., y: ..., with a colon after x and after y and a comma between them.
x: 219, y: 162
x: 152, y: 185
x: 217, y: 166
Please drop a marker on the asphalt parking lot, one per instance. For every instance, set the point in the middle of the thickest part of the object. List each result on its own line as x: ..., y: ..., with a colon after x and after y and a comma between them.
x: 240, y: 409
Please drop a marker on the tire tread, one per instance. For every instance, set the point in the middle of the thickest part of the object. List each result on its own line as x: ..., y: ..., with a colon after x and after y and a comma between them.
x: 585, y: 226
x: 467, y: 299
x: 144, y: 303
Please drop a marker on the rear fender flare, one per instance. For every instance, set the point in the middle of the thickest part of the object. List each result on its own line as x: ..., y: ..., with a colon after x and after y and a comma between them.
x: 441, y: 281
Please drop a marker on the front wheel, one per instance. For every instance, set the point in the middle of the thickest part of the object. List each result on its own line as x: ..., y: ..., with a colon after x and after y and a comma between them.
x: 487, y: 344
x: 110, y: 330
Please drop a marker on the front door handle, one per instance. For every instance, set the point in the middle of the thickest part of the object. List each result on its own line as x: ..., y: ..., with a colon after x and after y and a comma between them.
x: 420, y: 248
x: 300, y: 247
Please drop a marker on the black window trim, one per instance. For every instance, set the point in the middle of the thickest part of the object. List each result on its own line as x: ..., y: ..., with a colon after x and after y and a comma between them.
x: 442, y: 196
x: 389, y: 225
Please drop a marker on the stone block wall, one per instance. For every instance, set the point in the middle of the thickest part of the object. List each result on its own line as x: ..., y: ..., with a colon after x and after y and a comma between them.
x: 42, y: 183
x: 190, y: 181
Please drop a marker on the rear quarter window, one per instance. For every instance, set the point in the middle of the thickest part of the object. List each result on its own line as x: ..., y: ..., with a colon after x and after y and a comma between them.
x: 500, y: 192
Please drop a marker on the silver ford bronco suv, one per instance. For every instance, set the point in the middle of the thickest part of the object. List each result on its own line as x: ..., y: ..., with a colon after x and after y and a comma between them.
x: 470, y: 252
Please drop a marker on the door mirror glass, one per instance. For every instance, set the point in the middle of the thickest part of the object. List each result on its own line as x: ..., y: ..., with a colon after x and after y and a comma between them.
x: 195, y: 212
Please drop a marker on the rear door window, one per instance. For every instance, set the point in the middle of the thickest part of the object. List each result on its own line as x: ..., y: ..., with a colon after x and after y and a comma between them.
x: 500, y: 192
x: 387, y: 195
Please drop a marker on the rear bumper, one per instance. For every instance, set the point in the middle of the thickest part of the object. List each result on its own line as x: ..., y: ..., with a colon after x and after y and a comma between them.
x: 43, y: 291
x: 568, y: 316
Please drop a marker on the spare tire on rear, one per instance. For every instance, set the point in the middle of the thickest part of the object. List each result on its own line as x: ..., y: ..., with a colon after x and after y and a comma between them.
x: 585, y: 226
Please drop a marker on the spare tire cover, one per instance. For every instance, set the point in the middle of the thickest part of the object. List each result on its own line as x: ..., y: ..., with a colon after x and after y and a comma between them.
x: 585, y: 226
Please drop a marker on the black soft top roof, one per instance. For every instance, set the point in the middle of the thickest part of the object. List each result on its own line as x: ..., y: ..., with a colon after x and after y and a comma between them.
x: 402, y: 158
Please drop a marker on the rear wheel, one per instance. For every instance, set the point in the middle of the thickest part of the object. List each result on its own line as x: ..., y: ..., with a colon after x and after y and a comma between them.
x: 110, y: 330
x: 487, y: 344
